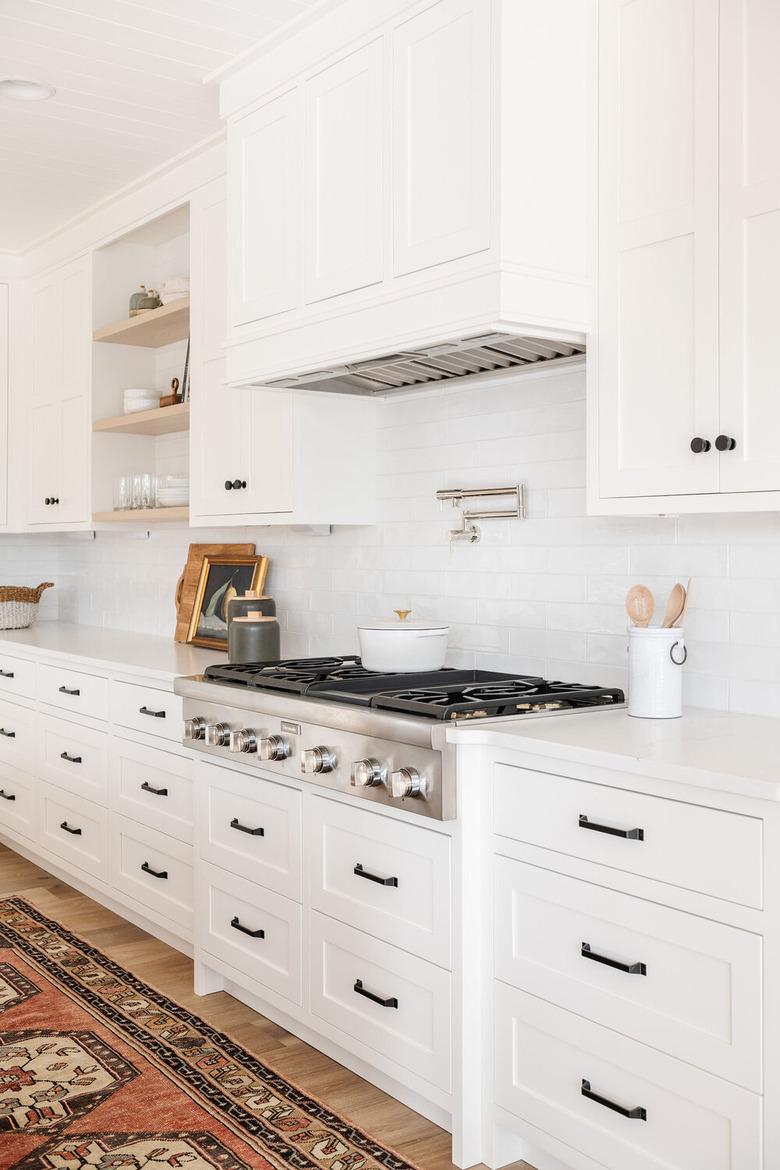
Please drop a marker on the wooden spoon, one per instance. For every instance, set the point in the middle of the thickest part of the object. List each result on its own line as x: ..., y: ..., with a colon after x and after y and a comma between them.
x: 674, y: 606
x: 640, y: 605
x: 680, y: 619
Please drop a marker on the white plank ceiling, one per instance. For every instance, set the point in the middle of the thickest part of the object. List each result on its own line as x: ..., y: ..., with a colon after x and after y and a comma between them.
x: 130, y: 96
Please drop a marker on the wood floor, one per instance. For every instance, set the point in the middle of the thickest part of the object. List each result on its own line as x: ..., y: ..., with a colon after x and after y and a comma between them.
x: 166, y: 969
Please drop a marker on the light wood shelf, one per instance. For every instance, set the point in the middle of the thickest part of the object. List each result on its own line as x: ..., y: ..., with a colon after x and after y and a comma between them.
x: 164, y: 420
x: 141, y: 516
x: 151, y: 329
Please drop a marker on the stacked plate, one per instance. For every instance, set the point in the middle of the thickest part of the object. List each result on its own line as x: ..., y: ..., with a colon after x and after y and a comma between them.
x: 173, y: 491
x: 139, y: 398
x: 175, y: 289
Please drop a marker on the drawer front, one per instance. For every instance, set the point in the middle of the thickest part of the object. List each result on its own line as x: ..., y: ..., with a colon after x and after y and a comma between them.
x: 17, y: 676
x: 153, y: 787
x: 75, y: 831
x: 666, y: 840
x: 252, y: 827
x: 385, y: 877
x: 548, y: 1060
x: 147, y: 709
x: 74, y: 758
x: 153, y: 870
x: 252, y: 929
x: 17, y: 740
x: 73, y: 690
x: 18, y: 802
x: 389, y: 1002
x: 686, y: 985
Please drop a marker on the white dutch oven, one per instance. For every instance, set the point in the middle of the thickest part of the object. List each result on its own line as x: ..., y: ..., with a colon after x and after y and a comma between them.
x: 401, y: 645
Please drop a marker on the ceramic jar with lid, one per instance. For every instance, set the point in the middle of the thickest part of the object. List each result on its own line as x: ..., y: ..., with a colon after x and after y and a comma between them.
x: 254, y: 637
x: 250, y: 601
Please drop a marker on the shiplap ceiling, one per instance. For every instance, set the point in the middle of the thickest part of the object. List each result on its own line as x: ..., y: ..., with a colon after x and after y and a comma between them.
x: 130, y: 95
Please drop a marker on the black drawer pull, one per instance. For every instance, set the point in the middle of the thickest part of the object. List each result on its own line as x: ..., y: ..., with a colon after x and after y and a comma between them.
x: 595, y: 827
x: 374, y: 877
x: 74, y: 691
x: 628, y: 968
x: 146, y: 787
x: 258, y: 832
x: 7, y: 795
x: 71, y: 759
x: 392, y: 1002
x: 74, y: 832
x: 638, y: 1113
x: 162, y: 874
x: 6, y: 674
x: 236, y: 924
x: 149, y: 711
x: 7, y: 734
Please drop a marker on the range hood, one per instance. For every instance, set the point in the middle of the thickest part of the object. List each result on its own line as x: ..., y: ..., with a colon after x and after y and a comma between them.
x: 460, y: 358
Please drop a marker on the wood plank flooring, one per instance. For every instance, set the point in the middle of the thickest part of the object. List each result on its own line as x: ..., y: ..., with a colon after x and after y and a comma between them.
x: 166, y: 969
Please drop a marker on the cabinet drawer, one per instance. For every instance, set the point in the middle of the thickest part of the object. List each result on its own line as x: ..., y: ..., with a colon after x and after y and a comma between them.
x: 75, y: 831
x: 17, y: 676
x: 252, y: 827
x: 547, y: 1060
x: 389, y: 1002
x: 666, y: 840
x: 17, y: 742
x: 147, y: 709
x: 385, y: 877
x: 73, y: 690
x: 74, y: 757
x: 686, y: 985
x: 153, y: 787
x: 18, y: 802
x: 232, y: 911
x: 155, y: 871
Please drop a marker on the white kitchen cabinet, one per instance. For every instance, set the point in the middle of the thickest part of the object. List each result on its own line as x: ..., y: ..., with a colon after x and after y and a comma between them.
x: 4, y: 364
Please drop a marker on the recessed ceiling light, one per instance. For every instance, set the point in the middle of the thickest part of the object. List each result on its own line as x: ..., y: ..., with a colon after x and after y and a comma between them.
x: 26, y: 91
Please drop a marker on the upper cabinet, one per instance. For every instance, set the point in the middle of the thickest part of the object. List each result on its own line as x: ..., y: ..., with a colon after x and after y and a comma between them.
x: 683, y: 401
x: 4, y: 367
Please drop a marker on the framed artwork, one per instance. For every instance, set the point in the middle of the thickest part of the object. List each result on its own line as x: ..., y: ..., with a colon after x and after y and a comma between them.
x: 187, y: 586
x: 221, y: 579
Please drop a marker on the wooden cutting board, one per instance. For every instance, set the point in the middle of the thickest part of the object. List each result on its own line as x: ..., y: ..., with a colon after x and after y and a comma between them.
x: 187, y: 585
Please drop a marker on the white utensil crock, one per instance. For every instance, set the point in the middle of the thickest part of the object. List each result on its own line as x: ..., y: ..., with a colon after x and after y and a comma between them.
x: 655, y: 661
x: 403, y: 646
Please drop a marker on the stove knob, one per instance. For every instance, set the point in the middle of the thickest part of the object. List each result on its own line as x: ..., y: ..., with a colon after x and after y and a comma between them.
x: 217, y: 734
x: 243, y: 741
x: 368, y: 773
x: 194, y: 728
x: 318, y: 760
x: 273, y: 747
x: 406, y: 782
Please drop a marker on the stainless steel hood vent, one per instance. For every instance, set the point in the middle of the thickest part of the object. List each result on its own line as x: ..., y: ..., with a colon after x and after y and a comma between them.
x: 486, y: 353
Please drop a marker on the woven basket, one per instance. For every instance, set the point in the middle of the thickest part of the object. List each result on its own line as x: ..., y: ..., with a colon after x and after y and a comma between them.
x: 19, y: 606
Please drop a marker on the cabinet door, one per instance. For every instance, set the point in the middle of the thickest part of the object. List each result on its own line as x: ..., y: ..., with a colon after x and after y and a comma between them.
x: 264, y: 222
x: 74, y: 441
x: 750, y: 244
x: 270, y: 487
x: 46, y: 339
x: 441, y: 134
x: 4, y: 453
x: 76, y: 310
x: 220, y: 441
x: 344, y: 175
x: 656, y: 346
x: 44, y: 439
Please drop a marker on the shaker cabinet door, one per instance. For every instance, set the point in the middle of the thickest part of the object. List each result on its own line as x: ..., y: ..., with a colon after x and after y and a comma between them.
x: 74, y: 440
x: 220, y: 443
x: 45, y: 463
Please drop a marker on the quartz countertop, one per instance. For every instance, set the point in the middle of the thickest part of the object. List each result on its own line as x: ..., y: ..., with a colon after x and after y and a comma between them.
x: 719, y: 750
x: 117, y: 650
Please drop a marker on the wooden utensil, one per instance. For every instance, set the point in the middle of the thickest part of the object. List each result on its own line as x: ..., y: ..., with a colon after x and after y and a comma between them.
x: 674, y: 606
x: 640, y: 604
x: 680, y: 620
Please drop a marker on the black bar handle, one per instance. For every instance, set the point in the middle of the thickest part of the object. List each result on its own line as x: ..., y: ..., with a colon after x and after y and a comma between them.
x: 75, y: 832
x: 237, y: 925
x: 638, y: 1113
x: 7, y: 795
x: 74, y: 691
x: 71, y: 759
x: 392, y: 1002
x: 157, y: 873
x: 258, y: 832
x: 374, y: 877
x: 7, y: 734
x: 6, y: 674
x: 595, y: 827
x: 628, y: 968
x: 146, y: 787
x: 149, y: 711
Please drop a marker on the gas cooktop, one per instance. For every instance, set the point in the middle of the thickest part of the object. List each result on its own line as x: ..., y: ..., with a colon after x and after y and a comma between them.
x: 448, y: 694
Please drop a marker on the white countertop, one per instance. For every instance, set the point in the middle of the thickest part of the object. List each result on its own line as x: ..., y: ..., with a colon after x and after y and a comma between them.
x: 708, y: 749
x: 119, y: 650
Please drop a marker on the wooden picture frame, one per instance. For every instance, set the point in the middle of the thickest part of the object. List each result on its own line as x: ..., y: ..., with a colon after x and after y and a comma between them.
x: 222, y: 578
x: 187, y: 585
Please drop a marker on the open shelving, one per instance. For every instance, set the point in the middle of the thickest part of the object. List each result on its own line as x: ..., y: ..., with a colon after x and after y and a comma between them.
x: 152, y: 329
x: 142, y: 516
x: 164, y: 420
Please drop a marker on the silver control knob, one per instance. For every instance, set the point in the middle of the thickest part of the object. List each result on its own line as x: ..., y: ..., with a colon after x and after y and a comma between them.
x: 244, y: 740
x: 406, y: 782
x: 273, y: 747
x: 217, y: 734
x: 368, y: 773
x: 194, y: 728
x: 318, y: 760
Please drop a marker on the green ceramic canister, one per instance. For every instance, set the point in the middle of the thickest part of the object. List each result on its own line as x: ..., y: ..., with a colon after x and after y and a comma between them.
x: 250, y: 602
x: 255, y: 637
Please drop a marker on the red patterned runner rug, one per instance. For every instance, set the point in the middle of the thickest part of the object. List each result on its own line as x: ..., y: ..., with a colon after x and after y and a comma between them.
x: 97, y: 1070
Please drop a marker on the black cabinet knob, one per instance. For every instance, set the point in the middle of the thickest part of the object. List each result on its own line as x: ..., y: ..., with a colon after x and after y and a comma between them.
x: 725, y: 443
x: 56, y: 500
x: 228, y: 485
x: 699, y: 445
x: 239, y: 483
x: 47, y: 501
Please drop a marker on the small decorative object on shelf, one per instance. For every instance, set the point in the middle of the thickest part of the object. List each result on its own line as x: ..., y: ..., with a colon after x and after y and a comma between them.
x: 19, y: 605
x: 135, y: 301
x: 175, y: 397
x: 150, y: 301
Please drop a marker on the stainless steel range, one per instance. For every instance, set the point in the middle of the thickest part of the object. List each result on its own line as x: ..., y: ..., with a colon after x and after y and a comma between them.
x: 379, y: 737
